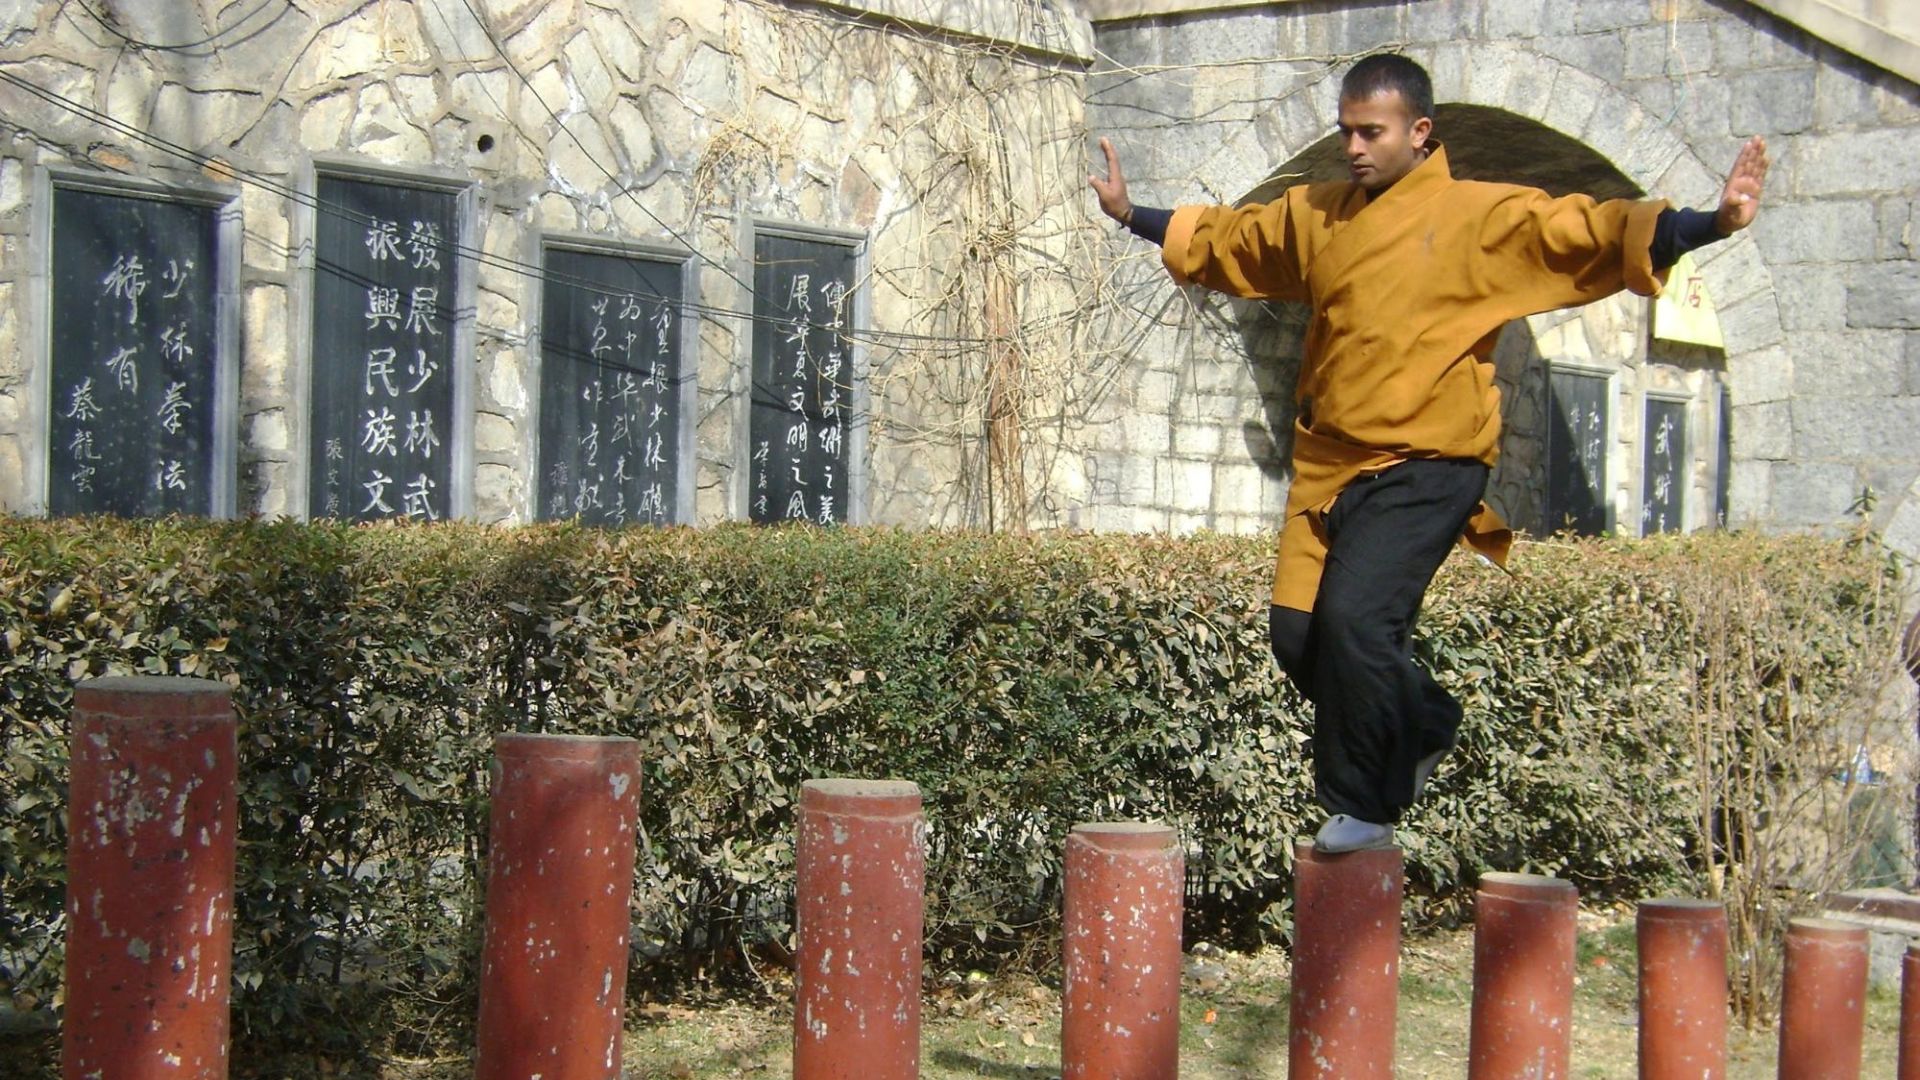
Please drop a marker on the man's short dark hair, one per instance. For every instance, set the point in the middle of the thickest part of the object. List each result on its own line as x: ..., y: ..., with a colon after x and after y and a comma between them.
x: 1383, y: 72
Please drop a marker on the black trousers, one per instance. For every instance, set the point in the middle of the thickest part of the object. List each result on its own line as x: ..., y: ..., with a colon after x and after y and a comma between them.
x: 1376, y: 712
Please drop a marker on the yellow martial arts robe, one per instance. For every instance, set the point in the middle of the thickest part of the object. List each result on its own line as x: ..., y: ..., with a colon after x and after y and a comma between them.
x: 1409, y: 292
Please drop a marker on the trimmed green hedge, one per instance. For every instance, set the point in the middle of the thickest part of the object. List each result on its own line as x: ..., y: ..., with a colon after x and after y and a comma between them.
x: 1025, y: 683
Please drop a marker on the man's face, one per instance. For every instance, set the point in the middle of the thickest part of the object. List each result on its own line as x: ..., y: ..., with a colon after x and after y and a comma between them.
x: 1381, y: 139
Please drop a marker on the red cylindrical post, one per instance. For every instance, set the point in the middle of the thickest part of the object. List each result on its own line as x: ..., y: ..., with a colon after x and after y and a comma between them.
x: 1910, y: 1013
x: 560, y: 854
x: 1125, y: 886
x: 151, y: 818
x: 1682, y: 945
x: 1523, y: 938
x: 861, y: 875
x: 1346, y: 963
x: 1823, y: 1000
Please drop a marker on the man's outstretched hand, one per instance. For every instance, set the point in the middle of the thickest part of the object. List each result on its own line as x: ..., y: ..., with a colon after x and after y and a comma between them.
x: 1113, y: 190
x: 1740, y: 199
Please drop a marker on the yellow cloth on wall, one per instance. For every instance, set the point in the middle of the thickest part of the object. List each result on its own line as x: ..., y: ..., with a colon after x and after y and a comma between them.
x: 1408, y: 293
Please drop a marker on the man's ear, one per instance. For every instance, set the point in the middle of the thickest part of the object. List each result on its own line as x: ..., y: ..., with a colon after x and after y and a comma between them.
x: 1422, y: 129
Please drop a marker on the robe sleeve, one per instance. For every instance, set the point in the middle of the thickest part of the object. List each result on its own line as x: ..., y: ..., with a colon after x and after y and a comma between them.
x: 1542, y: 253
x: 1259, y: 250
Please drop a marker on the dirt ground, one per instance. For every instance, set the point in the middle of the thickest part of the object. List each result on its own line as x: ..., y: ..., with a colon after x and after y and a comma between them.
x: 1233, y: 1025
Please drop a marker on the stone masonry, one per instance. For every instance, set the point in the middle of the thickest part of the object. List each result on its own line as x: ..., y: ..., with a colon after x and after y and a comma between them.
x: 672, y: 122
x: 1817, y: 303
x: 954, y: 137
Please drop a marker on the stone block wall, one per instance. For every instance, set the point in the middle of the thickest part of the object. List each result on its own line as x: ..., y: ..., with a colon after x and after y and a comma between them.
x: 1817, y: 303
x: 950, y: 143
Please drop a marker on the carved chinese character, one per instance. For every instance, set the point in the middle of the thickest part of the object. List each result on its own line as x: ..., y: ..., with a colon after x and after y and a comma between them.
x: 82, y: 406
x: 126, y: 281
x: 420, y: 311
x: 378, y: 434
x: 173, y: 408
x: 125, y: 375
x: 380, y: 366
x: 417, y: 498
x: 172, y: 475
x: 424, y: 243
x: 662, y: 321
x: 383, y: 240
x: 421, y: 368
x: 376, y: 489
x: 835, y: 293
x: 383, y: 306
x: 174, y: 345
x: 176, y: 274
x: 588, y: 497
x: 421, y: 438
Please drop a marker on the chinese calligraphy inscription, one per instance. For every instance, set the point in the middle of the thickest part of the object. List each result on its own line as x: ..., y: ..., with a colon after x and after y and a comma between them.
x: 133, y: 295
x: 611, y: 374
x: 802, y: 409
x: 384, y: 279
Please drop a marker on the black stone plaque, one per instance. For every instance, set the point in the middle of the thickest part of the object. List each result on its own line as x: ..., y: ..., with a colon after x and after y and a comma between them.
x: 1664, y: 474
x: 802, y: 380
x: 1577, y: 431
x: 611, y: 372
x: 385, y: 279
x: 131, y: 419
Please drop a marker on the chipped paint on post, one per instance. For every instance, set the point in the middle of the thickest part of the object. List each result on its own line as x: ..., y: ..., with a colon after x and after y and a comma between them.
x: 152, y: 798
x: 1125, y: 894
x: 559, y: 875
x: 1523, y: 938
x: 1823, y: 999
x: 1682, y: 945
x: 861, y: 870
x: 1346, y: 963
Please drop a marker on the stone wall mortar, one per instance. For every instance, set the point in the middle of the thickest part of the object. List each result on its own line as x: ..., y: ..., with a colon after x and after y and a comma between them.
x: 671, y: 122
x: 1814, y: 303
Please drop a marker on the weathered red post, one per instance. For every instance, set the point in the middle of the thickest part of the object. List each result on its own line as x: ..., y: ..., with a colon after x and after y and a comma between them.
x: 560, y: 854
x: 1346, y: 963
x: 1125, y: 891
x: 1682, y: 945
x: 861, y: 872
x: 1910, y: 1014
x: 150, y: 841
x: 1823, y: 1000
x: 1523, y: 938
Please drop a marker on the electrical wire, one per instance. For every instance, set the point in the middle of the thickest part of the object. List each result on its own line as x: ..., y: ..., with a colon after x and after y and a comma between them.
x: 477, y: 255
x: 178, y: 46
x: 501, y: 51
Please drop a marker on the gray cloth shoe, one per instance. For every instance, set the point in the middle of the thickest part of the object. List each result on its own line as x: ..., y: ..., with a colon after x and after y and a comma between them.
x: 1423, y: 771
x: 1345, y: 833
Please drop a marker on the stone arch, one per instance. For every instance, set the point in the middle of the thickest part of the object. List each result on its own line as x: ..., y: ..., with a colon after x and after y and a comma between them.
x: 1608, y: 146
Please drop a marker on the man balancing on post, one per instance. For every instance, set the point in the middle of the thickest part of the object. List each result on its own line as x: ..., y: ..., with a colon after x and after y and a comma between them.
x: 1410, y: 275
